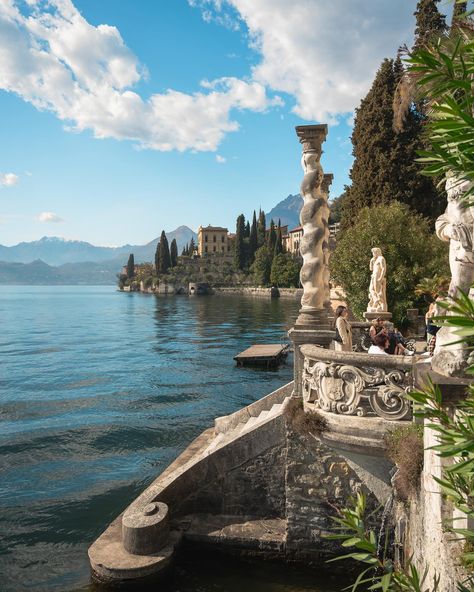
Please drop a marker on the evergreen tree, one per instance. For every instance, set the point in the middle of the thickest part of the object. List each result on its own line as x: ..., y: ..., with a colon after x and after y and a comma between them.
x: 278, y: 241
x: 247, y: 230
x: 157, y: 257
x: 253, y: 240
x: 239, y: 253
x: 192, y: 247
x: 414, y: 189
x: 164, y: 259
x: 262, y: 266
x: 430, y: 23
x: 261, y: 228
x: 131, y: 266
x: 372, y: 140
x: 459, y: 9
x: 184, y: 252
x: 385, y: 167
x: 174, y: 253
x: 272, y: 237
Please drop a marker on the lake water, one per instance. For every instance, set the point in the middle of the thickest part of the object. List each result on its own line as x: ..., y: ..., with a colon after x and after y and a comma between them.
x: 99, y: 392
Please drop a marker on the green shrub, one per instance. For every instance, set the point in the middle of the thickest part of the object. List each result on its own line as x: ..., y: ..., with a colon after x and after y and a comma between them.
x: 412, y: 252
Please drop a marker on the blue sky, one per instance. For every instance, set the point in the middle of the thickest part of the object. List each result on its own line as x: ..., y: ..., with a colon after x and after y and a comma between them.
x: 121, y: 118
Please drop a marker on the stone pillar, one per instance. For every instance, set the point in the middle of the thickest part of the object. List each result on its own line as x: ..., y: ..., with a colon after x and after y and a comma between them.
x: 312, y: 324
x: 327, y: 181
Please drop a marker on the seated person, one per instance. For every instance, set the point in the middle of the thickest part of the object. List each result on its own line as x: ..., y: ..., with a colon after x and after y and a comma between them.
x: 381, y: 343
x: 377, y: 326
x: 396, y: 346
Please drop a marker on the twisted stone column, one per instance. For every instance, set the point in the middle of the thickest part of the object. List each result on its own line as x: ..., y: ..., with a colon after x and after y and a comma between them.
x: 314, y: 216
x: 327, y: 181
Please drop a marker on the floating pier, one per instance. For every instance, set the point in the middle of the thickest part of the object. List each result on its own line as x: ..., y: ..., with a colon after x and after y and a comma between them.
x: 269, y: 355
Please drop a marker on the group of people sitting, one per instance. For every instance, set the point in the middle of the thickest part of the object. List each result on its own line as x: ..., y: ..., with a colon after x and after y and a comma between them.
x: 386, y: 339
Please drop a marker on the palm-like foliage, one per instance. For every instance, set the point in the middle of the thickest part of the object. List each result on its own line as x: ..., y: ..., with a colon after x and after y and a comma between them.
x: 441, y: 73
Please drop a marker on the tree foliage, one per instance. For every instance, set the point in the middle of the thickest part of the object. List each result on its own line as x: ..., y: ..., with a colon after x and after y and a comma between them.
x: 239, y: 252
x: 429, y: 22
x: 285, y: 271
x: 410, y: 249
x: 261, y: 228
x: 174, y: 253
x: 253, y: 240
x: 130, y: 266
x: 262, y: 266
x: 162, y: 257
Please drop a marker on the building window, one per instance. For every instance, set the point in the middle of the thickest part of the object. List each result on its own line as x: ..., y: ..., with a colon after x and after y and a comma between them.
x: 228, y: 248
x: 222, y: 249
x: 205, y: 238
x: 222, y: 237
x: 205, y: 249
x: 214, y: 238
x: 214, y: 248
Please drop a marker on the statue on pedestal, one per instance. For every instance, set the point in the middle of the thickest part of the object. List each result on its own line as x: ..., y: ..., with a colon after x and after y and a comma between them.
x: 455, y: 226
x: 378, y: 283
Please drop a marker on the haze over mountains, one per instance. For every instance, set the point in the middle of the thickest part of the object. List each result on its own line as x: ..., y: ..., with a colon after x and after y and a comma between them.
x: 58, y: 251
x: 54, y: 261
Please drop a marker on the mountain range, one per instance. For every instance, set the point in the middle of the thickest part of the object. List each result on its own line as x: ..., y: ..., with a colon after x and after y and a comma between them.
x: 58, y: 251
x: 53, y: 260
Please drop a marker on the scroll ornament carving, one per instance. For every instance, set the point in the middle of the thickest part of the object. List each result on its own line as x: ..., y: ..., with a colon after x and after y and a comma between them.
x: 349, y: 390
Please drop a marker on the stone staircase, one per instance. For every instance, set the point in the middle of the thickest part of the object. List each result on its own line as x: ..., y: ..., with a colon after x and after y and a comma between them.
x: 248, y: 424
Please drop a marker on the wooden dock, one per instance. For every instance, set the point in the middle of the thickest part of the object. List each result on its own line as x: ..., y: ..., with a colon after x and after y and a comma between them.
x: 269, y: 355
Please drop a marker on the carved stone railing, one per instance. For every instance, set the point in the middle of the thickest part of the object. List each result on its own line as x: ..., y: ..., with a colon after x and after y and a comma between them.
x: 359, y: 384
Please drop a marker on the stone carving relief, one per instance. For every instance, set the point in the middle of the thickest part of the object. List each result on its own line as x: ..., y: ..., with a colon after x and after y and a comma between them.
x: 350, y: 390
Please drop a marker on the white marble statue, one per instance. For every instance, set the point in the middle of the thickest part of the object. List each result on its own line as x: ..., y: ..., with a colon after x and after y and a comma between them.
x: 378, y: 283
x: 455, y: 226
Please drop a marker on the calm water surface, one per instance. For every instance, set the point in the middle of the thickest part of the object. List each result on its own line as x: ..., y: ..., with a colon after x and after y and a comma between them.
x: 99, y: 392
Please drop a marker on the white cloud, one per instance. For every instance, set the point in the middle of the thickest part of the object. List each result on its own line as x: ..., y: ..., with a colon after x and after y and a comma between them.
x: 53, y: 58
x: 322, y: 52
x: 221, y: 159
x: 8, y: 179
x: 49, y: 217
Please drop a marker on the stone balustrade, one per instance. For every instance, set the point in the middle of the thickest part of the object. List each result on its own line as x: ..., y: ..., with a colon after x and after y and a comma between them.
x: 358, y: 384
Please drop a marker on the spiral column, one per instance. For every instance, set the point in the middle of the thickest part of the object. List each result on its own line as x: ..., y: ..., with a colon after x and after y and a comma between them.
x: 312, y: 324
x: 314, y: 216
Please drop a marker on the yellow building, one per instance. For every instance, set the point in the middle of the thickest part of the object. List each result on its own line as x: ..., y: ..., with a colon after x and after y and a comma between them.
x: 292, y: 240
x: 212, y: 240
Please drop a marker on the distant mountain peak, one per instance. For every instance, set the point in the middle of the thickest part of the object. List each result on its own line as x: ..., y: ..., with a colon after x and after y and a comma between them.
x: 287, y: 211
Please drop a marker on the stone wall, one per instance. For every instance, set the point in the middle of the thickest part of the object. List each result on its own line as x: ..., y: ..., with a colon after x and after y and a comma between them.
x: 422, y: 526
x: 320, y: 479
x: 256, y: 488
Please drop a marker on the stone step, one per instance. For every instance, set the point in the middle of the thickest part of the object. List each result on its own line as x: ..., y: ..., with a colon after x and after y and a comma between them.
x: 247, y: 532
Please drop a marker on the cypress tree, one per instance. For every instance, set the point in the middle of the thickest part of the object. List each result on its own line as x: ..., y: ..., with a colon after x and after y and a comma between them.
x: 278, y: 242
x: 164, y: 259
x: 191, y: 247
x: 411, y: 187
x: 272, y: 237
x: 131, y: 266
x: 247, y: 230
x: 261, y: 228
x: 459, y: 9
x: 239, y: 253
x: 253, y: 240
x: 184, y: 252
x: 430, y: 23
x: 174, y: 253
x: 157, y: 257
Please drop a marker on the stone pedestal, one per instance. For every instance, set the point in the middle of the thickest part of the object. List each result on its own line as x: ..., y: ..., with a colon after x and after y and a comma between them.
x: 299, y: 337
x: 371, y: 316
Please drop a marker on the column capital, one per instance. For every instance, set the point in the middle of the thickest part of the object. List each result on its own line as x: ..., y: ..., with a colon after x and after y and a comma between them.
x: 312, y: 136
